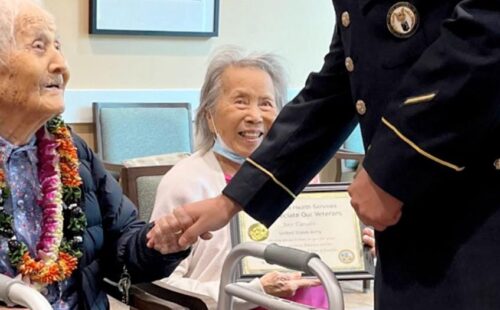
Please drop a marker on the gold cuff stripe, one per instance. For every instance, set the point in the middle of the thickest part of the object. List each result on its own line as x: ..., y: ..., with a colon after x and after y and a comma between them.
x: 419, y: 150
x: 272, y: 177
x: 419, y: 99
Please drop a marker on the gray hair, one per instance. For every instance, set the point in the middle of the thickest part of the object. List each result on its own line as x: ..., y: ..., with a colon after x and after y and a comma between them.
x: 212, y: 86
x: 9, y: 9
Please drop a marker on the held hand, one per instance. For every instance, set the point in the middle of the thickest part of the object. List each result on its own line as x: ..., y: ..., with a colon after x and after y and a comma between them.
x: 374, y: 206
x: 285, y: 284
x: 164, y: 235
x: 176, y: 231
x: 199, y: 218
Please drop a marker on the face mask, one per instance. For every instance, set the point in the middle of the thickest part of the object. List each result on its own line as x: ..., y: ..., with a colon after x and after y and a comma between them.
x: 222, y: 149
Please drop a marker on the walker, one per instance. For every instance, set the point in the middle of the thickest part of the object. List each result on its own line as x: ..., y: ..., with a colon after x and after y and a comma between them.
x: 16, y: 292
x: 274, y: 254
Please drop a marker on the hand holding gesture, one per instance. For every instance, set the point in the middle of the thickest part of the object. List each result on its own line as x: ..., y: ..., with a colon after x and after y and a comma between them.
x: 176, y: 231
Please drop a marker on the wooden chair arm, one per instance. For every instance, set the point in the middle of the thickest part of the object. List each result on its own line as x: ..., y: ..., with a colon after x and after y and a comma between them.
x: 187, y: 299
x: 113, y: 168
x: 143, y: 300
x: 345, y: 154
x: 161, y: 296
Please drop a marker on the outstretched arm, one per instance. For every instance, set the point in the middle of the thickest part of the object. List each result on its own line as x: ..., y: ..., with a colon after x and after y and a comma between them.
x: 178, y: 230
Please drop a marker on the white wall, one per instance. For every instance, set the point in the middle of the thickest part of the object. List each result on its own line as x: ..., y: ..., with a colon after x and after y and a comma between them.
x: 297, y: 30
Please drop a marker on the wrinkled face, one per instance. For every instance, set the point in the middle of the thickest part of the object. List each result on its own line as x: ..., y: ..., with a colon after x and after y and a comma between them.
x: 35, y: 74
x: 245, y: 110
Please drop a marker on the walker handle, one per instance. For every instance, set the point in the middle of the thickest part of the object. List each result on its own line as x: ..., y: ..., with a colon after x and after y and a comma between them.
x: 16, y: 292
x: 288, y: 257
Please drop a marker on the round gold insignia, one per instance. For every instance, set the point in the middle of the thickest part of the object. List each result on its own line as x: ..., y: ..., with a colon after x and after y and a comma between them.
x: 402, y: 19
x: 346, y: 256
x: 258, y: 232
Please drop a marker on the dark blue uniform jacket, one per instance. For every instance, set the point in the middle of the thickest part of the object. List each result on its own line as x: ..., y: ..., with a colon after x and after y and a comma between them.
x: 429, y: 109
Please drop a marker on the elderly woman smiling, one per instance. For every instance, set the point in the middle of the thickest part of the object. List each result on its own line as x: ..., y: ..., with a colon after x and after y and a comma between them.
x: 240, y: 99
x: 56, y: 200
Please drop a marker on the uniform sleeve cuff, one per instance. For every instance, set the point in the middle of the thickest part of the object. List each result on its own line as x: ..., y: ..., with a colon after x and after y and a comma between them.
x: 400, y: 169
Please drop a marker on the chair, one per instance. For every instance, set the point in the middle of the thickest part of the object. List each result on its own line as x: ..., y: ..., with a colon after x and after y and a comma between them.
x: 344, y: 172
x: 140, y: 184
x: 337, y: 171
x: 171, y: 294
x: 354, y: 144
x: 347, y: 161
x: 158, y: 295
x: 129, y: 130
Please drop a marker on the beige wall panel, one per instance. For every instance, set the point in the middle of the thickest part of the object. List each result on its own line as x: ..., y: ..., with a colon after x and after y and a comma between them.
x: 298, y: 30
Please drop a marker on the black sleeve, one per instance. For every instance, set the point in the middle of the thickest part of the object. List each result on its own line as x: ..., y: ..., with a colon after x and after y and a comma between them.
x: 457, y: 127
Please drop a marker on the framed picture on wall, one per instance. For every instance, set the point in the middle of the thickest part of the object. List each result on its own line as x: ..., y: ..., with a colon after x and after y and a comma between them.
x: 198, y: 18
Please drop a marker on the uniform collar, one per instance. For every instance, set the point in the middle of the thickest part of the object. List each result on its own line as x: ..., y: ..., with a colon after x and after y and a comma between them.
x: 363, y: 4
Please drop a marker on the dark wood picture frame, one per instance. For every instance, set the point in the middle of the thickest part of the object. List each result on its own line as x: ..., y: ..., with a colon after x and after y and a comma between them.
x: 153, y: 29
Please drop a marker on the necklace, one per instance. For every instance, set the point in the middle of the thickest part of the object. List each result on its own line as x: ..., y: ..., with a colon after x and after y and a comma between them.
x: 63, y: 220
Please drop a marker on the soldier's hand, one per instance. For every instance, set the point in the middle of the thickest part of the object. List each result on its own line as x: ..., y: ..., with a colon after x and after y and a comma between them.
x: 202, y: 217
x: 374, y: 206
x: 369, y: 240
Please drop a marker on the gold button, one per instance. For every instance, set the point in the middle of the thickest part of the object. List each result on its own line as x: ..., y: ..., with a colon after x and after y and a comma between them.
x: 496, y: 164
x: 346, y: 19
x: 361, y: 107
x: 349, y: 64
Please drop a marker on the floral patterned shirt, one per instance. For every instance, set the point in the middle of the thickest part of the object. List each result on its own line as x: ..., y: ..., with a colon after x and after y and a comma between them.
x: 21, y: 173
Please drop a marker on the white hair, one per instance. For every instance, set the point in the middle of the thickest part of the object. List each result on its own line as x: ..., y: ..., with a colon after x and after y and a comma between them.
x: 223, y: 58
x: 9, y: 9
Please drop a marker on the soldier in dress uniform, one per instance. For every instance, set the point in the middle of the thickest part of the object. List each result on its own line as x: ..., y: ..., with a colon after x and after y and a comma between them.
x: 420, y: 78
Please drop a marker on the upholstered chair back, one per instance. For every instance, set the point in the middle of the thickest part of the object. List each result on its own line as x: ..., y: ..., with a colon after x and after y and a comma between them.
x: 129, y: 130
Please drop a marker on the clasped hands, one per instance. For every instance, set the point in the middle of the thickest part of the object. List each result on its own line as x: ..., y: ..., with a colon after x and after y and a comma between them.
x: 176, y: 231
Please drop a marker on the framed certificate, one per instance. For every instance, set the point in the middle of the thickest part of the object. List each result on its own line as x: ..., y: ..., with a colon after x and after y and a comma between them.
x: 198, y: 18
x: 321, y: 220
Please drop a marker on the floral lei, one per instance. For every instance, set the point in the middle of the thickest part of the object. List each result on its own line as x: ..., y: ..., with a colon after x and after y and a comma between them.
x: 63, y: 220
